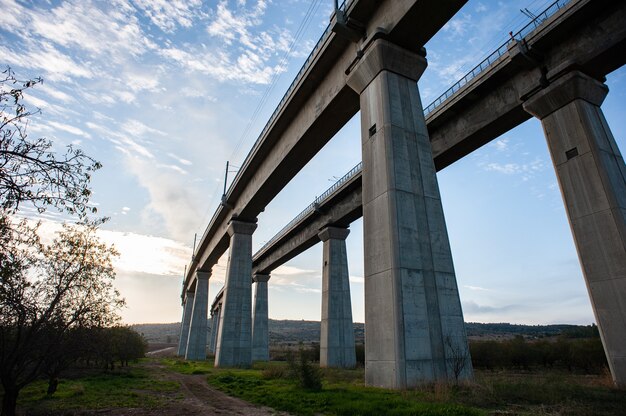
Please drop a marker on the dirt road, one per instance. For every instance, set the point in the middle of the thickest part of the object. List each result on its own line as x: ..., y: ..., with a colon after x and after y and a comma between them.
x: 194, y: 398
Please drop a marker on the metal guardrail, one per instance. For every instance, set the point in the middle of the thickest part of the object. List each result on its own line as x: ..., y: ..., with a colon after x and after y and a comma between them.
x: 533, y: 24
x: 495, y: 55
x: 312, y: 206
x: 344, y: 5
x: 486, y: 63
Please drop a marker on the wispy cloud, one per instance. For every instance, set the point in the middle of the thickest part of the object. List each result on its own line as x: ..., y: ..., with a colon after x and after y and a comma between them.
x: 169, y: 14
x: 70, y: 129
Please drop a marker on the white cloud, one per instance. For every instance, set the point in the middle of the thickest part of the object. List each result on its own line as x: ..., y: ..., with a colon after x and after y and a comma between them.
x: 171, y: 197
x: 83, y: 25
x: 138, y: 253
x: 180, y: 160
x: 526, y: 170
x: 248, y: 67
x: 70, y: 129
x: 168, y: 14
x: 58, y: 66
x: 137, y: 128
x: 147, y: 254
x: 478, y: 288
x: 249, y: 61
x: 501, y: 144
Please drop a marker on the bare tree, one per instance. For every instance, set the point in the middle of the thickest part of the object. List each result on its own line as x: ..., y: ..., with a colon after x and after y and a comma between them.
x: 57, y: 287
x: 458, y: 357
x: 30, y: 171
x: 46, y: 290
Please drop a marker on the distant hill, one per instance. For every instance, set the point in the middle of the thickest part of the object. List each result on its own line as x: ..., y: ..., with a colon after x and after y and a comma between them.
x: 291, y: 331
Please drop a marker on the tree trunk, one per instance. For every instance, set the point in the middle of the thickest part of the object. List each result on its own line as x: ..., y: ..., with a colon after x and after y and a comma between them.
x: 53, y: 383
x: 9, y: 402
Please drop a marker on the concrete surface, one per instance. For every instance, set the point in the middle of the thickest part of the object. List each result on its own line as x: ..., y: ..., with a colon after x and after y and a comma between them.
x: 184, y: 324
x: 592, y: 178
x: 413, y: 320
x: 337, y: 330
x: 260, y: 324
x: 196, y: 342
x: 234, y: 337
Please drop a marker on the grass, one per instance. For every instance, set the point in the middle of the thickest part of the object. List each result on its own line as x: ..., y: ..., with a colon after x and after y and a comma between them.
x: 545, y: 393
x: 129, y: 388
x: 343, y: 392
x: 551, y: 393
x: 493, y: 393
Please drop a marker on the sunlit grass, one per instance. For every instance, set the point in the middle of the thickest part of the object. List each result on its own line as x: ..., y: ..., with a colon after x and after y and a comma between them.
x: 130, y: 388
x: 344, y: 393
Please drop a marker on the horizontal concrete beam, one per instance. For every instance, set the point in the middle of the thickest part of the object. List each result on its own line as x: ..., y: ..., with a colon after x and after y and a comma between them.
x: 316, y: 109
x: 487, y: 107
x: 590, y: 35
x: 340, y: 211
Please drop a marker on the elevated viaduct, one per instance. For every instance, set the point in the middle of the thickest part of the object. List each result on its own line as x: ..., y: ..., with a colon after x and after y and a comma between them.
x: 413, y: 317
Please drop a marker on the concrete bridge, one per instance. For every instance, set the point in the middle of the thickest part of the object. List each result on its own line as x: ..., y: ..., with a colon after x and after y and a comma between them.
x: 414, y: 324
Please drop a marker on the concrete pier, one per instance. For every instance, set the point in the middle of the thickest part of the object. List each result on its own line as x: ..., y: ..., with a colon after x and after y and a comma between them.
x: 184, y: 324
x: 337, y: 329
x: 592, y: 178
x: 196, y: 342
x: 215, y: 324
x: 260, y: 329
x: 413, y: 319
x: 234, y: 338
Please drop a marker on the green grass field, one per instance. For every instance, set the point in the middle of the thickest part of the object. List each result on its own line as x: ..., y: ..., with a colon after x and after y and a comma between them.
x: 132, y: 387
x: 343, y: 393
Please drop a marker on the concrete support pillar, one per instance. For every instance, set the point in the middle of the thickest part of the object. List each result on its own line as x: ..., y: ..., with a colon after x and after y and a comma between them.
x: 234, y: 339
x: 592, y: 178
x: 337, y: 329
x: 196, y: 341
x: 184, y: 324
x: 215, y: 325
x: 260, y: 325
x: 413, y: 319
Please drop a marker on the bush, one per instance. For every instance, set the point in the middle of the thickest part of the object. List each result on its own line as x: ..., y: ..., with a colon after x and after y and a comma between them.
x: 308, y: 376
x: 360, y: 353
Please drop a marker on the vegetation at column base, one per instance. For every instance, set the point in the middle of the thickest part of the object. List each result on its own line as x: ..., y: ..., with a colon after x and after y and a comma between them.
x: 130, y: 387
x: 342, y: 393
x: 545, y: 392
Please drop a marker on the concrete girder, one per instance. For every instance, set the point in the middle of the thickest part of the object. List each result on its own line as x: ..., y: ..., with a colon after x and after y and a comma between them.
x: 320, y: 104
x: 341, y: 210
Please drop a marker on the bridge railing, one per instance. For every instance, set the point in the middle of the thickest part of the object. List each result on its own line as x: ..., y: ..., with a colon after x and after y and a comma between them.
x: 495, y: 55
x: 344, y: 5
x: 312, y: 206
x: 534, y: 23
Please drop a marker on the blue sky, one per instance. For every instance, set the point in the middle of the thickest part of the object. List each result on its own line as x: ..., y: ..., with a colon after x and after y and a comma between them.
x: 163, y: 93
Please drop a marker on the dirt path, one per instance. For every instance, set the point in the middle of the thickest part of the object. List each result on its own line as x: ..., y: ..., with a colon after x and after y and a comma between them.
x: 201, y: 399
x: 194, y: 398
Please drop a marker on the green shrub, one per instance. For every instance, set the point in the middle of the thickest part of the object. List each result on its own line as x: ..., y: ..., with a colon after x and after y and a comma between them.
x: 308, y: 375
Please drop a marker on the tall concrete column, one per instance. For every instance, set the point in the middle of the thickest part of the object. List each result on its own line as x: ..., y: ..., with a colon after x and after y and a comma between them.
x: 215, y: 325
x: 413, y: 319
x: 592, y: 178
x: 196, y: 341
x: 213, y: 332
x: 337, y: 329
x: 184, y: 324
x: 260, y: 329
x: 234, y: 339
